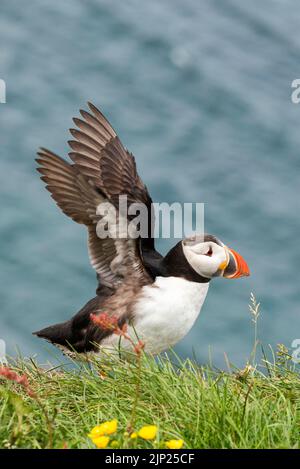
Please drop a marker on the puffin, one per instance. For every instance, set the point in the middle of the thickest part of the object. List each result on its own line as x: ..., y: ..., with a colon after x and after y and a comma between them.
x: 158, y: 298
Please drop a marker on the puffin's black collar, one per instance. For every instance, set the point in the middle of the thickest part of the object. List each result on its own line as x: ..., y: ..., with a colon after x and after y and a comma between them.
x: 174, y: 264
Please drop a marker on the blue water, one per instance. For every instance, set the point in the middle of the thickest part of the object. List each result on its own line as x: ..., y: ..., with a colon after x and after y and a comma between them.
x: 200, y: 92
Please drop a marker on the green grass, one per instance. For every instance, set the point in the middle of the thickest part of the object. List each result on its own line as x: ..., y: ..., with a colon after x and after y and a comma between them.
x: 206, y: 408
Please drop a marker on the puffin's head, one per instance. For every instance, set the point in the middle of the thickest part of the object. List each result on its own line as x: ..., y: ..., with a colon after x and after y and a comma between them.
x: 209, y: 257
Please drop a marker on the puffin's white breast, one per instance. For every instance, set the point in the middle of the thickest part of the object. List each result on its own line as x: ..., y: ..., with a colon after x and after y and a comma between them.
x: 165, y: 312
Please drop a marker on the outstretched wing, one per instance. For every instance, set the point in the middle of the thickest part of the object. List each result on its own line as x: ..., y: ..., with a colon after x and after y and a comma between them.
x: 102, y: 171
x: 99, y: 155
x: 70, y: 190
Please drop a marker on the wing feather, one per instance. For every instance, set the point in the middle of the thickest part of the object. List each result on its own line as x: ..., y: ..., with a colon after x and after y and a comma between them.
x: 77, y: 199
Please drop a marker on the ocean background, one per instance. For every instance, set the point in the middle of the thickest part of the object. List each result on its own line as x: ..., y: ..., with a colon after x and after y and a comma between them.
x: 200, y: 92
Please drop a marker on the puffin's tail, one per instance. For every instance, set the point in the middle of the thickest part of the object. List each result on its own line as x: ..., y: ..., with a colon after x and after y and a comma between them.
x: 67, y: 338
x: 78, y: 333
x: 60, y: 334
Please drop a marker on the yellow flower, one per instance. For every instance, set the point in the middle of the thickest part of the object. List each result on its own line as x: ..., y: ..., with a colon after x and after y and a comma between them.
x: 101, y: 441
x: 148, y: 432
x: 105, y: 428
x: 134, y: 435
x: 174, y: 444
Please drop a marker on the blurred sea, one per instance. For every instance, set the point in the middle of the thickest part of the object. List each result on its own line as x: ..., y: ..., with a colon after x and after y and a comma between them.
x: 200, y: 92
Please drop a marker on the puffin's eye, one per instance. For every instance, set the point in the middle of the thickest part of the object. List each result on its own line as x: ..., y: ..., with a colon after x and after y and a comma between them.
x: 209, y: 252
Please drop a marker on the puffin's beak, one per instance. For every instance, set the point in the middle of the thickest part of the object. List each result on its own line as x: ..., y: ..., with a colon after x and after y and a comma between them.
x: 237, y: 266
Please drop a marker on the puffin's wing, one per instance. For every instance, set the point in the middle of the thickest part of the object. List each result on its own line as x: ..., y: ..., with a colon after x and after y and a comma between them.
x: 68, y: 188
x: 99, y: 154
x: 78, y: 200
x: 102, y: 171
x: 100, y: 157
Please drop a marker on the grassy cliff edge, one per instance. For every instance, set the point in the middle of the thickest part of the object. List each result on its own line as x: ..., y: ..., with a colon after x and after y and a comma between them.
x: 203, y: 407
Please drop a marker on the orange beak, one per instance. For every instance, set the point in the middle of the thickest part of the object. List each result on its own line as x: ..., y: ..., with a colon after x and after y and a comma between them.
x: 237, y: 267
